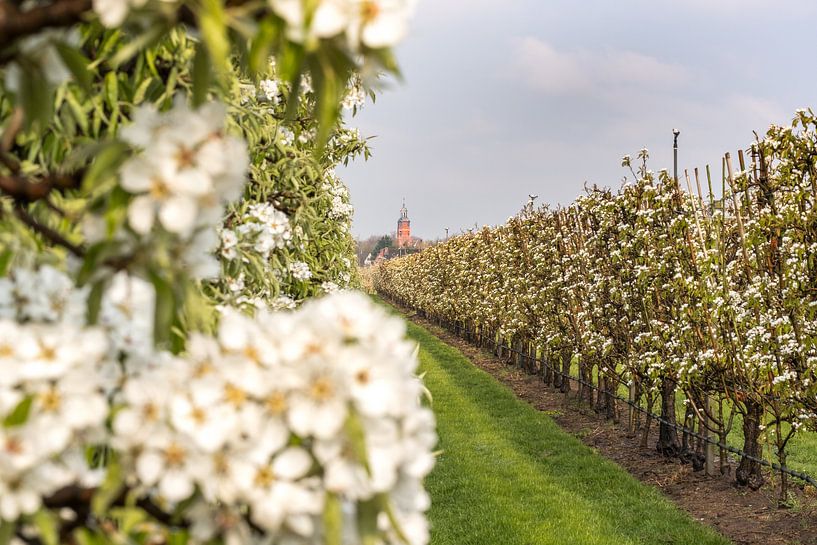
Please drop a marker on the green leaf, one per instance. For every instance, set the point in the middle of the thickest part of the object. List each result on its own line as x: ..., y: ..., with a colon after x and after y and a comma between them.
x: 328, y: 109
x: 170, y: 86
x: 19, y: 415
x: 332, y: 520
x: 76, y: 63
x: 367, y: 514
x: 141, y: 91
x: 357, y: 439
x: 117, y: 209
x: 387, y: 61
x: 165, y: 311
x: 148, y: 38
x: 128, y: 517
x: 178, y: 537
x: 201, y: 75
x: 7, y: 530
x: 84, y: 536
x: 213, y: 28
x: 77, y: 110
x: 110, y: 490
x: 92, y: 258
x: 5, y: 261
x: 262, y: 45
x: 112, y: 90
x: 395, y: 524
x: 290, y: 63
x: 95, y: 301
x: 47, y: 525
x: 106, y: 163
x: 35, y: 95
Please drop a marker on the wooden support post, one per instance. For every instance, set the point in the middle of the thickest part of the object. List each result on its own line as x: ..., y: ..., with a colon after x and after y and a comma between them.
x: 632, y: 414
x: 709, y: 448
x: 532, y: 358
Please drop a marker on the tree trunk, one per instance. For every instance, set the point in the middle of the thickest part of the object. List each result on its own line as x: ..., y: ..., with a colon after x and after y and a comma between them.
x: 723, y: 457
x: 534, y: 365
x: 645, y: 432
x: 784, y: 477
x: 749, y: 471
x: 586, y: 373
x: 612, y: 406
x: 601, y: 400
x: 547, y: 375
x: 565, y: 385
x: 556, y: 364
x: 637, y: 393
x: 667, y: 434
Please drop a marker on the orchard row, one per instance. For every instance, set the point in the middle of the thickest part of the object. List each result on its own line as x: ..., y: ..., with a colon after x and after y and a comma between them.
x: 673, y: 290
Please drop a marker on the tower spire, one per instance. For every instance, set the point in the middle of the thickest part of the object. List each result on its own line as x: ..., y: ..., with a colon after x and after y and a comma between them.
x: 403, y: 227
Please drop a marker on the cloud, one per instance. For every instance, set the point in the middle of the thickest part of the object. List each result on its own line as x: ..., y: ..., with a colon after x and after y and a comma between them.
x: 544, y: 68
x: 636, y: 68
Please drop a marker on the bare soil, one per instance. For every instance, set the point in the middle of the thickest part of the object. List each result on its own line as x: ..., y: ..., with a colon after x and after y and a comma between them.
x: 746, y: 517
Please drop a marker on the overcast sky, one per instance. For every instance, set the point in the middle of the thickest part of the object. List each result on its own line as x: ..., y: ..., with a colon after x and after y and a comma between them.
x: 503, y: 98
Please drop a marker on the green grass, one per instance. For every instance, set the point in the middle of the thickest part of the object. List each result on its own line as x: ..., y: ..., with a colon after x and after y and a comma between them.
x: 508, y: 475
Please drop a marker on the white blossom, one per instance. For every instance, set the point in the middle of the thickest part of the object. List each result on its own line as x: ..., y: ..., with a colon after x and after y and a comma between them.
x: 300, y: 270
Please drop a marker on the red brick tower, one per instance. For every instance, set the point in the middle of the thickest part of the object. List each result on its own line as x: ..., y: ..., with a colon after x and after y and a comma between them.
x: 403, y: 228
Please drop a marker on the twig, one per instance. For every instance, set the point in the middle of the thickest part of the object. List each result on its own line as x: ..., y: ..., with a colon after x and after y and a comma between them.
x: 24, y: 190
x: 47, y: 232
x: 14, y: 125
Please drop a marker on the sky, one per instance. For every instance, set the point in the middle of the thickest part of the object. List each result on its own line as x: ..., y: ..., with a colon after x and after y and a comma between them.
x: 505, y: 98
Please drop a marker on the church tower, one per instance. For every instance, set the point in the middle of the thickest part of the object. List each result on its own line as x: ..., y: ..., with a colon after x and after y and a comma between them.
x: 403, y: 228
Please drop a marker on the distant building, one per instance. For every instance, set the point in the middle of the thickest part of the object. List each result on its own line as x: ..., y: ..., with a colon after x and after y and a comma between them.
x: 403, y: 228
x: 404, y: 245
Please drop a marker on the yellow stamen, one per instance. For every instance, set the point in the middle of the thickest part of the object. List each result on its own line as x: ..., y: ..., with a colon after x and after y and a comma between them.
x: 369, y: 10
x: 235, y: 395
x: 276, y: 403
x: 198, y: 415
x: 264, y: 477
x: 158, y: 189
x: 252, y: 354
x: 13, y: 445
x: 174, y: 454
x: 51, y: 400
x: 48, y: 353
x: 150, y: 412
x: 322, y: 389
x: 185, y: 157
x: 203, y: 368
x: 6, y: 351
x: 220, y: 464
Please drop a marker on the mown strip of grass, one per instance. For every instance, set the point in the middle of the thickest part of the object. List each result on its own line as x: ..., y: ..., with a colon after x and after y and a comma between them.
x: 508, y: 475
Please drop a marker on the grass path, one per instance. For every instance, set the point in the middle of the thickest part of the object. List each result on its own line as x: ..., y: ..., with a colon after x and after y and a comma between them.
x: 509, y: 475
